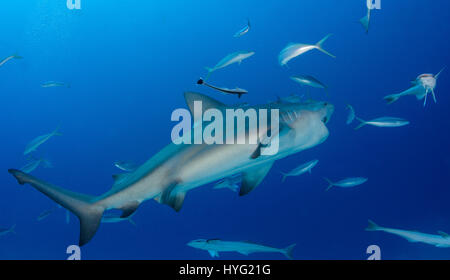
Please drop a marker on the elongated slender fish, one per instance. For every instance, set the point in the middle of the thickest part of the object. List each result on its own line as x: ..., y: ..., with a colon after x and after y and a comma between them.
x: 9, y: 58
x: 126, y: 166
x: 300, y: 169
x: 293, y: 50
x: 111, y: 218
x: 36, y: 142
x: 243, y: 31
x: 5, y: 231
x: 293, y: 98
x: 365, y: 21
x: 309, y: 81
x: 351, y: 114
x: 440, y: 240
x: 33, y: 163
x: 422, y: 86
x: 177, y: 169
x: 237, y: 91
x: 231, y: 182
x: 383, y: 122
x: 44, y: 214
x: 236, y: 57
x: 214, y: 246
x: 346, y: 183
x: 50, y: 84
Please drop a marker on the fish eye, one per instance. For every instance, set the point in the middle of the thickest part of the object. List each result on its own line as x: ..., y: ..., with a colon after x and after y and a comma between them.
x: 325, y: 104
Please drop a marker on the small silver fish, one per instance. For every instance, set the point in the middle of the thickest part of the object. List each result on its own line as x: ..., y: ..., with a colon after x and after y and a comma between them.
x: 231, y: 183
x: 346, y: 183
x: 309, y: 81
x: 44, y: 214
x: 34, y: 163
x: 236, y: 57
x: 126, y: 166
x: 111, y: 218
x: 300, y: 169
x: 383, y: 122
x: 293, y: 50
x: 50, y: 84
x: 238, y: 91
x: 243, y: 31
x: 5, y: 231
x: 9, y: 58
x: 36, y: 142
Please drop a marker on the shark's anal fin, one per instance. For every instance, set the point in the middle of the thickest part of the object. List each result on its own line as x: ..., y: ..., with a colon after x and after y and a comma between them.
x: 173, y: 198
x: 129, y: 208
x: 213, y: 254
x: 252, y: 177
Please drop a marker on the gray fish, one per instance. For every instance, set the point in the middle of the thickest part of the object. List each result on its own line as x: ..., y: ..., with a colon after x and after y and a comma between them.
x: 365, y: 21
x: 346, y: 183
x: 5, y: 231
x: 36, y: 142
x: 383, y: 122
x: 9, y: 58
x: 231, y: 183
x: 50, y: 84
x: 34, y: 163
x: 440, y: 240
x: 44, y: 214
x: 293, y: 50
x: 351, y: 114
x: 309, y: 81
x: 238, y: 91
x: 243, y: 31
x: 300, y: 169
x: 125, y: 165
x: 214, y: 246
x: 111, y: 218
x: 236, y: 57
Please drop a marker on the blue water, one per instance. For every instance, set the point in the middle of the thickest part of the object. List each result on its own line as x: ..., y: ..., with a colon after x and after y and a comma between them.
x: 129, y: 62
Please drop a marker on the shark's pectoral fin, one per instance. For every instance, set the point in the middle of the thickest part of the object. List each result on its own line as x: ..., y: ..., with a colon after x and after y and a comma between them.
x: 173, y: 198
x: 252, y: 177
x: 213, y: 254
x: 129, y: 208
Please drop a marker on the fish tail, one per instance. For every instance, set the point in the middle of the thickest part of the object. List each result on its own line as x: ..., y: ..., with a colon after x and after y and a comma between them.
x: 288, y: 251
x: 210, y: 70
x: 56, y: 131
x: 329, y: 182
x: 16, y: 56
x: 372, y: 226
x: 319, y: 46
x: 391, y: 98
x: 363, y: 123
x: 89, y: 213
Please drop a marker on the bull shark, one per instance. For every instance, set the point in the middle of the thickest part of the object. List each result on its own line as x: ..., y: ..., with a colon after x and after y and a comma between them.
x: 422, y: 86
x: 176, y: 169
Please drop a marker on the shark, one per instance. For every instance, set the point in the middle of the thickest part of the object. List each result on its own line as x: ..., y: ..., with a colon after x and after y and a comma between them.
x: 179, y: 168
x: 421, y: 87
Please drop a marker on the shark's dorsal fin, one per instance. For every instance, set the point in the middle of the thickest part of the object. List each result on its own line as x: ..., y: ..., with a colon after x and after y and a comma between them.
x: 444, y: 234
x: 207, y: 102
x: 252, y: 177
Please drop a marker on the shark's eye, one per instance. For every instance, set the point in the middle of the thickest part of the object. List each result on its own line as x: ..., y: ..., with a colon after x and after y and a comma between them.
x: 325, y: 119
x: 325, y: 104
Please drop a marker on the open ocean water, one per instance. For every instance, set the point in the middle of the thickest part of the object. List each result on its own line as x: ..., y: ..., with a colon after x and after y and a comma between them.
x: 128, y: 64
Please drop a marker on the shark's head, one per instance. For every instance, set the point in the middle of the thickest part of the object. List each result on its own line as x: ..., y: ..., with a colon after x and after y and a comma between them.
x: 198, y: 243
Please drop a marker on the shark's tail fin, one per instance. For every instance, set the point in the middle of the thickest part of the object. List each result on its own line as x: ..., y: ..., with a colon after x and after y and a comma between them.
x: 89, y: 213
x: 363, y: 123
x: 288, y: 251
x: 372, y: 226
x: 13, y: 229
x: 391, y: 98
x: 319, y: 46
x: 330, y: 184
